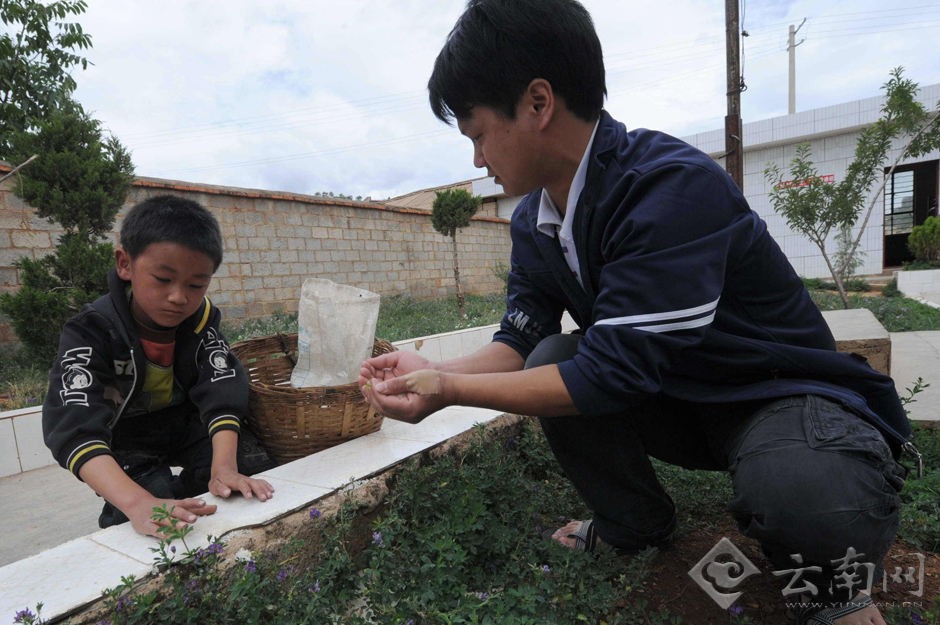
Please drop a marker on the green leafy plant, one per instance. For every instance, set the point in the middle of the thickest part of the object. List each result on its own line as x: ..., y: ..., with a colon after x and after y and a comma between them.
x: 817, y: 209
x: 457, y: 541
x: 452, y: 210
x: 79, y: 180
x: 37, y: 50
x: 891, y: 289
x: 924, y: 240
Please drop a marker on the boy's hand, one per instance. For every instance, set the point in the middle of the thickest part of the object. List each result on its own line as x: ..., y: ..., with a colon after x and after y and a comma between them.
x: 224, y: 481
x: 186, y: 510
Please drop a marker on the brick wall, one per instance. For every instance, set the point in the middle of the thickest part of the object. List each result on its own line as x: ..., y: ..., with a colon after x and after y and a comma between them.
x: 275, y: 240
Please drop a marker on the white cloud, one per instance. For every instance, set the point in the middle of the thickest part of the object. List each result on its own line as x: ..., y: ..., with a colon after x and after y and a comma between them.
x: 330, y: 96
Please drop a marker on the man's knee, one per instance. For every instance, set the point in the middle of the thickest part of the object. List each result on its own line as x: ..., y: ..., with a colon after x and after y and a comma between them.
x: 553, y: 349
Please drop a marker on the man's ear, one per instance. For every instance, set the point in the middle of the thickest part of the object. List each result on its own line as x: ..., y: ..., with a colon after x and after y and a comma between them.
x: 540, y: 101
x: 122, y: 261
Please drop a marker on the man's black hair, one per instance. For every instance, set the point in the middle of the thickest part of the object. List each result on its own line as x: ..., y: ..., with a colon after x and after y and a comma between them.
x: 173, y: 219
x: 498, y: 47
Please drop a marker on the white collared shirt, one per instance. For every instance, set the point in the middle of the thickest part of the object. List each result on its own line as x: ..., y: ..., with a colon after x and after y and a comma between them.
x: 550, y: 221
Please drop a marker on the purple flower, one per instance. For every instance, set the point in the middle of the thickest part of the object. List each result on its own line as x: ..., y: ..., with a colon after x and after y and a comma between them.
x: 122, y: 603
x: 410, y: 621
x: 23, y: 615
x: 285, y: 573
x: 315, y: 587
x: 173, y: 549
x: 546, y: 568
x: 377, y: 539
x: 215, y: 548
x: 250, y: 567
x: 315, y: 513
x: 736, y: 609
x: 483, y: 596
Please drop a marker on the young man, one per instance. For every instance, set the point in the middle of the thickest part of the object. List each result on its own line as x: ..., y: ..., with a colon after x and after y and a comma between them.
x: 698, y: 343
x: 145, y: 381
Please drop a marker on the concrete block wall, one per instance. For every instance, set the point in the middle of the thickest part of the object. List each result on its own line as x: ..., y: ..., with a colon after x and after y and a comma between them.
x: 273, y: 241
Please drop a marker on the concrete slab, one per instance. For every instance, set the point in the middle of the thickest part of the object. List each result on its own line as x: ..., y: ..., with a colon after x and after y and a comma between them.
x: 857, y: 330
x: 917, y: 354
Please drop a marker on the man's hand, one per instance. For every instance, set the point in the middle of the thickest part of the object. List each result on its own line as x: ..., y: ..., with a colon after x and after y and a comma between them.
x: 409, y: 397
x: 185, y: 510
x: 225, y: 480
x: 391, y: 365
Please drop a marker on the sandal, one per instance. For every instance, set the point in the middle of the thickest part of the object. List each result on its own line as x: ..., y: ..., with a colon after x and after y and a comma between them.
x: 585, y: 539
x: 828, y: 616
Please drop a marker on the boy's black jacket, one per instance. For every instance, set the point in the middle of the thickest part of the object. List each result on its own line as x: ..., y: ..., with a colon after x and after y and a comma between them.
x: 100, y: 366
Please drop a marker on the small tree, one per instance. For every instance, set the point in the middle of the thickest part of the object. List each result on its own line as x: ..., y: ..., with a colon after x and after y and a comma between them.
x: 452, y: 209
x: 79, y: 180
x: 816, y: 209
x: 36, y: 52
x: 924, y: 241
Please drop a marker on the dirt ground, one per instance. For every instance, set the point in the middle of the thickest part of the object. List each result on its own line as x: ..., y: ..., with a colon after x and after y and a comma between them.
x: 670, y: 586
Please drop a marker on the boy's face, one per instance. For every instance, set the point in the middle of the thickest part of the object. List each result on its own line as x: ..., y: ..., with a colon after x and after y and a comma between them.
x: 506, y: 147
x: 169, y: 281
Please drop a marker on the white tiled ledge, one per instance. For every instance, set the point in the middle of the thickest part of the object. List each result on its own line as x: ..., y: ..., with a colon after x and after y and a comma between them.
x: 55, y: 577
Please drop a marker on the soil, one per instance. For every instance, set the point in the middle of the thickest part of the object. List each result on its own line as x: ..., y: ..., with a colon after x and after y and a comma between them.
x: 669, y: 585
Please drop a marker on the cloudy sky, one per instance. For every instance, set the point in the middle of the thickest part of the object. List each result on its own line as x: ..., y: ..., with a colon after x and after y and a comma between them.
x: 329, y: 95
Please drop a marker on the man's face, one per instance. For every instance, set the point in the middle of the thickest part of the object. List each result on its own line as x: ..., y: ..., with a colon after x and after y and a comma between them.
x: 506, y: 147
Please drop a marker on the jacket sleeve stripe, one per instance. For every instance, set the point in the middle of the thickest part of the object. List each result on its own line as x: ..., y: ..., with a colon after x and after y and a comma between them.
x: 663, y: 316
x: 88, y: 448
x: 205, y: 316
x: 679, y: 325
x: 223, y: 421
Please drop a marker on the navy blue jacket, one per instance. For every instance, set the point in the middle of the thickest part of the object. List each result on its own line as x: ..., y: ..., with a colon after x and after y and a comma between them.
x: 685, y: 292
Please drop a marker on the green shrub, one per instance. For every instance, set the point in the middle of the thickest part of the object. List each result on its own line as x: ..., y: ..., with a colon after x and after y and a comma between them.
x: 924, y: 241
x: 891, y: 289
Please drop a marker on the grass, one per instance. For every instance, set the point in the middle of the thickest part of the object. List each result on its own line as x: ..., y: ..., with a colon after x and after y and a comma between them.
x: 896, y: 314
x: 23, y: 382
x: 400, y: 317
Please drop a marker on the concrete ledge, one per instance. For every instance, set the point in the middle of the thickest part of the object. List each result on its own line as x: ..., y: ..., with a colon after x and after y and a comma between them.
x: 917, y: 283
x: 856, y: 330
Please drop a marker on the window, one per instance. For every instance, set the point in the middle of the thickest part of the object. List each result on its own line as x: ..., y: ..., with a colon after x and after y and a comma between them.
x: 899, y: 203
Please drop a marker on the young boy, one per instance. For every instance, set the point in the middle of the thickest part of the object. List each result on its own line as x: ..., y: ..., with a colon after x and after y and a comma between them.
x: 698, y: 343
x: 144, y: 380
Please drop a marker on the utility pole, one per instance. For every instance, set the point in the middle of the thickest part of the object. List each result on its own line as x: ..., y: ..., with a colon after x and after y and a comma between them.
x: 791, y: 47
x: 734, y: 146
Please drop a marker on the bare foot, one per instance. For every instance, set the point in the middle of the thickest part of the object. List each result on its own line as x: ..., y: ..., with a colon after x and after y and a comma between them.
x: 562, y: 534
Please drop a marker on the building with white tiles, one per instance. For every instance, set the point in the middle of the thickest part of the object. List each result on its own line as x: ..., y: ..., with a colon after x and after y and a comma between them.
x: 910, y: 194
x: 831, y: 132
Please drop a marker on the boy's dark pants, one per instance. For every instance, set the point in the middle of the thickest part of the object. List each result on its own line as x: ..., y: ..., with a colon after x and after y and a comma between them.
x: 146, y: 447
x: 809, y: 477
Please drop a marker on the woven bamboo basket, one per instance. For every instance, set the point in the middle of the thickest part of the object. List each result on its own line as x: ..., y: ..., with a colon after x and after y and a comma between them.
x: 296, y: 422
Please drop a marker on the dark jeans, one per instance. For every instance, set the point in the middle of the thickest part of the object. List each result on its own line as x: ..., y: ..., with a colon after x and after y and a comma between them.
x: 174, y: 438
x: 809, y: 477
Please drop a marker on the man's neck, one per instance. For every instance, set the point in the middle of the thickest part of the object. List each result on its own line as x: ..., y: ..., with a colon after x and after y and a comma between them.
x: 569, y: 141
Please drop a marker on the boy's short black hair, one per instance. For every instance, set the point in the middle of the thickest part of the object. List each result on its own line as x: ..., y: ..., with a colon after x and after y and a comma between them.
x: 498, y: 47
x: 174, y: 219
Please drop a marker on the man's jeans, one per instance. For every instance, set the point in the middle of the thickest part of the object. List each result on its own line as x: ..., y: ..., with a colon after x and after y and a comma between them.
x: 809, y: 477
